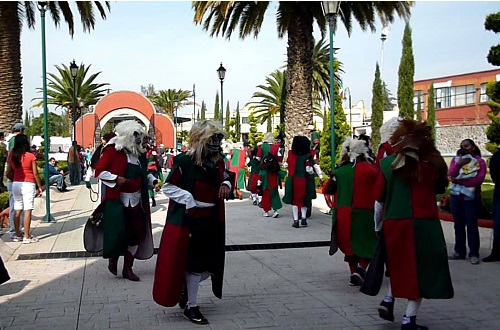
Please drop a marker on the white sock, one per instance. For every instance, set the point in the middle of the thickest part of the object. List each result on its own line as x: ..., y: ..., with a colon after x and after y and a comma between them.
x: 412, y: 307
x: 295, y: 211
x: 193, y: 285
x: 303, y: 212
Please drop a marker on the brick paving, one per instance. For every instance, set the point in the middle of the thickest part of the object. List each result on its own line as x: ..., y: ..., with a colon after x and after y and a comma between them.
x: 301, y: 288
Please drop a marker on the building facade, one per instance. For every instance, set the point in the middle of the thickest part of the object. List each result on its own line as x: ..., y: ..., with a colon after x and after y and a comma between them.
x: 458, y: 99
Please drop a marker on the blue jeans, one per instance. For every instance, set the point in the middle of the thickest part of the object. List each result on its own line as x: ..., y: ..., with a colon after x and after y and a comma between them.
x: 59, y: 179
x: 496, y: 215
x: 465, y: 213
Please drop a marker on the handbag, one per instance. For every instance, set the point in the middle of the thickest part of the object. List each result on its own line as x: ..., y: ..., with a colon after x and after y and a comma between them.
x: 375, y: 274
x: 93, y: 237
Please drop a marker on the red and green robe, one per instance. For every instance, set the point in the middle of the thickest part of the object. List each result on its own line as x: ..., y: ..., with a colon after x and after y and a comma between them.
x: 176, y: 241
x: 153, y: 168
x: 254, y: 177
x: 238, y: 165
x: 270, y: 195
x: 113, y: 223
x: 416, y: 248
x: 354, y: 209
x: 300, y: 187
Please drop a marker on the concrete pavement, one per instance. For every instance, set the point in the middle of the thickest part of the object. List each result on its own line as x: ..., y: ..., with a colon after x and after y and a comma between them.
x: 296, y: 288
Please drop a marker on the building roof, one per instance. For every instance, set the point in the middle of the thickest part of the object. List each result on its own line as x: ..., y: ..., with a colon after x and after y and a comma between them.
x: 492, y: 72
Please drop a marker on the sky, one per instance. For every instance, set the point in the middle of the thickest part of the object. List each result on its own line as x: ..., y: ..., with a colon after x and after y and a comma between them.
x: 156, y: 42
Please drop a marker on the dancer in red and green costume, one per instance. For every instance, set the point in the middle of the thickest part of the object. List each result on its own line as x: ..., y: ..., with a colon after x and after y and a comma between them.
x: 300, y: 187
x: 237, y: 165
x: 254, y: 177
x: 126, y: 223
x: 192, y: 245
x: 353, y: 208
x: 416, y: 249
x: 315, y: 138
x: 269, y: 180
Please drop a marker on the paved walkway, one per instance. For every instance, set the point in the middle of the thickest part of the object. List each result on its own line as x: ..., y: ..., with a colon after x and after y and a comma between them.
x: 296, y: 288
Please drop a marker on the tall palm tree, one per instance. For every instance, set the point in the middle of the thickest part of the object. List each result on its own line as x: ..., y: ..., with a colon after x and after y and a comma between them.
x: 13, y: 14
x: 273, y: 94
x: 294, y: 19
x: 60, y: 90
x: 172, y: 99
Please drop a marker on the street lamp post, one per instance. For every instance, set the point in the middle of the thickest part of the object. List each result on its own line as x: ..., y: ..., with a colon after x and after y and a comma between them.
x: 347, y: 90
x: 82, y: 106
x: 221, y: 71
x: 330, y: 9
x: 194, y: 105
x: 175, y: 123
x: 383, y: 36
x: 46, y: 138
x: 74, y: 70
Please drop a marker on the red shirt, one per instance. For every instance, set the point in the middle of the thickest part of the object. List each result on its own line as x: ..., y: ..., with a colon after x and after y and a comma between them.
x: 23, y: 173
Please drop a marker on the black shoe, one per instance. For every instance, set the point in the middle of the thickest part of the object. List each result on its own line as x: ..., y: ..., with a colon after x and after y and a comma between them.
x: 295, y: 224
x: 194, y: 315
x: 355, y: 280
x: 386, y: 310
x: 456, y: 256
x: 154, y: 203
x: 303, y: 223
x: 361, y: 272
x: 492, y: 257
x: 184, y: 298
x: 60, y: 189
x: 254, y: 203
x: 413, y: 325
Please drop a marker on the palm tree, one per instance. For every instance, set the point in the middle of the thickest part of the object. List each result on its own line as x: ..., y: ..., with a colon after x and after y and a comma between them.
x: 60, y: 90
x: 172, y: 99
x: 12, y: 16
x: 271, y: 97
x: 294, y: 19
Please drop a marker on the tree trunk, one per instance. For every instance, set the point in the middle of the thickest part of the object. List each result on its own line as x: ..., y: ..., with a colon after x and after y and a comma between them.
x: 299, y: 105
x: 11, y: 94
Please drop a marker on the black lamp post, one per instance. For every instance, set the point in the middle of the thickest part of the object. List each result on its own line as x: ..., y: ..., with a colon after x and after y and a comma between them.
x: 221, y: 71
x: 74, y: 70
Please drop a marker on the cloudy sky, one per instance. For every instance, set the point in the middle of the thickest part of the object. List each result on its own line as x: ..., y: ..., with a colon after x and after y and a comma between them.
x: 157, y: 43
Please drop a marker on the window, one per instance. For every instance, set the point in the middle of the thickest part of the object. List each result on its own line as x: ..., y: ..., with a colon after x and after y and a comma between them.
x: 484, y: 97
x: 443, y: 97
x: 456, y: 96
x: 418, y: 98
x: 245, y: 120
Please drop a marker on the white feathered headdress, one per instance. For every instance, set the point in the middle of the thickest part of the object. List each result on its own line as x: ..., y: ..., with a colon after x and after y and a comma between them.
x: 388, y: 128
x: 130, y: 136
x: 354, y: 148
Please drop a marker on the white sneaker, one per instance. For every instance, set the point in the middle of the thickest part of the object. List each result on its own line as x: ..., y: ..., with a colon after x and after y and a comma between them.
x: 265, y: 214
x: 275, y: 214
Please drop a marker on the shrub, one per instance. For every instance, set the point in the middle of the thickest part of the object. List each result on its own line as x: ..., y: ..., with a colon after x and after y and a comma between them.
x: 4, y: 200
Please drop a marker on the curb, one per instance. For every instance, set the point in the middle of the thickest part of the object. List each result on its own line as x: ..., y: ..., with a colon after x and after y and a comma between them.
x: 480, y: 222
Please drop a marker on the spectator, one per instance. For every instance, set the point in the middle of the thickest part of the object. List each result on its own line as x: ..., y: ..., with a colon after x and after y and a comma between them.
x: 23, y: 173
x: 495, y: 176
x: 3, y: 158
x: 74, y: 164
x: 55, y: 176
x: 465, y: 210
x: 17, y: 129
x: 314, y: 138
x: 60, y: 150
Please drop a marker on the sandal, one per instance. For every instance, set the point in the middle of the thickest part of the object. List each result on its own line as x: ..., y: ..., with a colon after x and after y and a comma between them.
x: 29, y: 240
x: 17, y: 238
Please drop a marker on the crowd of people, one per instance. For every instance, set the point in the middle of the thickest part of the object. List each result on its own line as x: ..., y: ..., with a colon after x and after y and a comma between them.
x: 390, y: 226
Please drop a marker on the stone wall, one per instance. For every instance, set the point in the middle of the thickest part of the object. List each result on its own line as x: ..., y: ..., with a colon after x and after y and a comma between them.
x: 448, y: 138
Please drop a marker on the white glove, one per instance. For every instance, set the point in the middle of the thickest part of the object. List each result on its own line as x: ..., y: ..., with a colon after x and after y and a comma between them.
x: 285, y: 165
x: 309, y: 169
x: 228, y: 157
x: 259, y: 182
